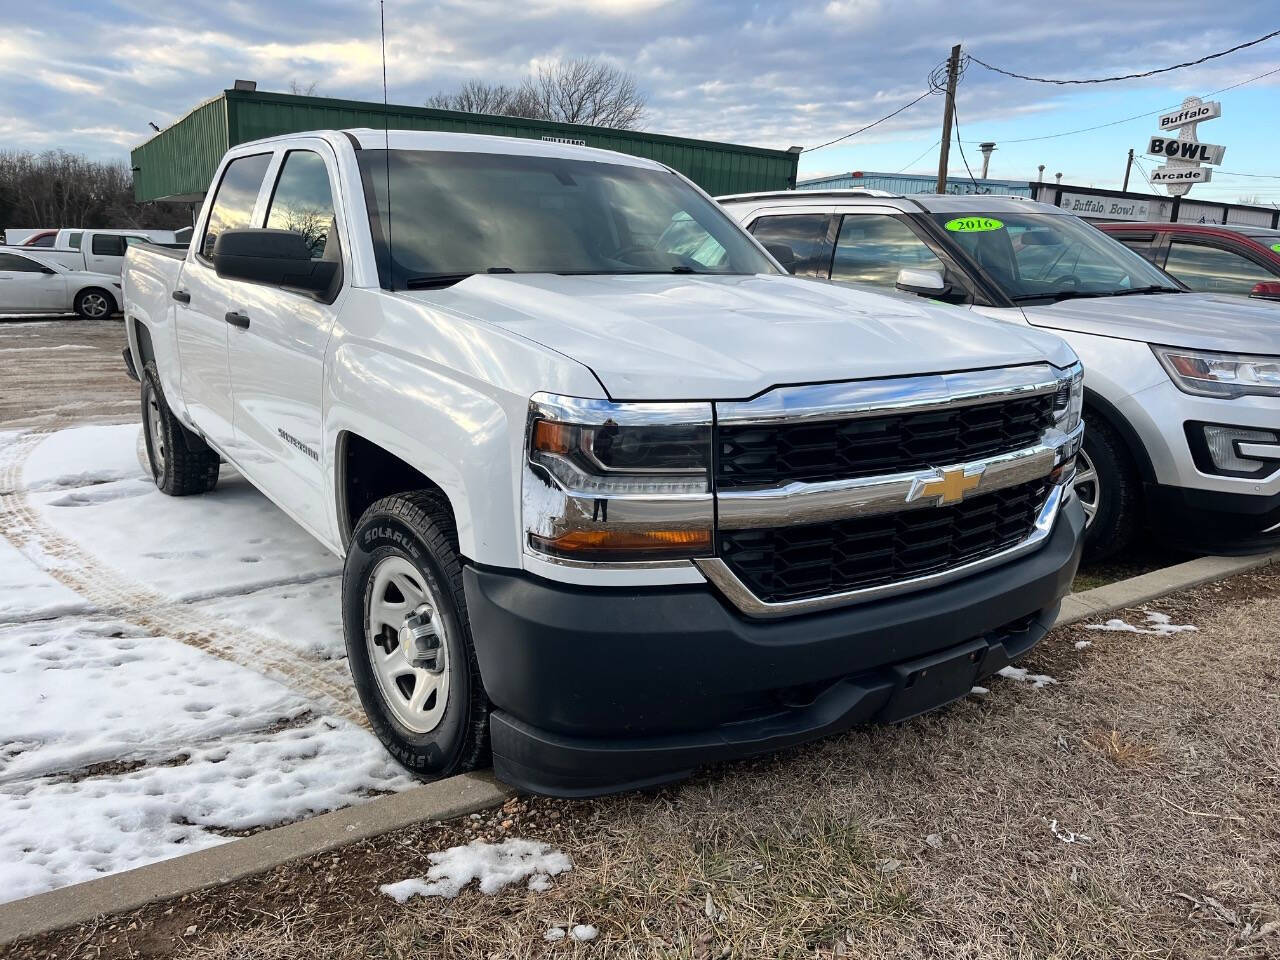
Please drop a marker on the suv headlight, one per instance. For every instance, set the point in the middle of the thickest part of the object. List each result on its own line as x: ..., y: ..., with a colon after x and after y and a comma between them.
x: 1068, y: 402
x: 617, y: 482
x: 1223, y: 375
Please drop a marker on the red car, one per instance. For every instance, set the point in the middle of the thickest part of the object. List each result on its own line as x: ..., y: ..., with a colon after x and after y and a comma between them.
x: 1209, y: 257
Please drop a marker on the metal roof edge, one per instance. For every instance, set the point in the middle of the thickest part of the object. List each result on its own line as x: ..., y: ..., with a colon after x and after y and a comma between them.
x: 198, y: 106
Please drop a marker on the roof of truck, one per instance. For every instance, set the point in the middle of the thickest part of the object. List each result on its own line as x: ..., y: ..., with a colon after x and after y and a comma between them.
x: 984, y: 203
x: 368, y: 138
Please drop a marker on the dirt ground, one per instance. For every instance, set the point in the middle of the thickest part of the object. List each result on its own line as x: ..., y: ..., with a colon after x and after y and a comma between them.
x: 1129, y: 809
x: 56, y: 370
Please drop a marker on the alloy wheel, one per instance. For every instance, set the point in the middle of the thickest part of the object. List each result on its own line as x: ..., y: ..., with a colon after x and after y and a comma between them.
x: 1088, y: 488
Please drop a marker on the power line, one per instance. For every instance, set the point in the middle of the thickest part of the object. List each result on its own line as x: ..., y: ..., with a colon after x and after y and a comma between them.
x: 890, y: 116
x: 955, y: 117
x: 1127, y: 76
x: 929, y: 149
x: 1137, y: 116
x: 1256, y: 176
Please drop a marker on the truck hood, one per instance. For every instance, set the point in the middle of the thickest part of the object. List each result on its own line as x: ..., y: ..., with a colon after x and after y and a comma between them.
x: 1197, y: 320
x: 682, y: 337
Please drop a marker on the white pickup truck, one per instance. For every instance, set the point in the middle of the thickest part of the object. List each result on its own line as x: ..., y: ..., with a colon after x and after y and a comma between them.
x: 616, y: 496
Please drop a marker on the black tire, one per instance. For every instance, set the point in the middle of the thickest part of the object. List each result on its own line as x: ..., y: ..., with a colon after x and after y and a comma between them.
x: 95, y: 303
x: 1117, y: 512
x: 417, y: 527
x: 181, y: 462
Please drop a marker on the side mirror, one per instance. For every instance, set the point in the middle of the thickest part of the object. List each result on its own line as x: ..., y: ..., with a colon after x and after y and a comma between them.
x: 281, y: 258
x: 924, y: 283
x: 51, y: 270
x: 1265, y: 291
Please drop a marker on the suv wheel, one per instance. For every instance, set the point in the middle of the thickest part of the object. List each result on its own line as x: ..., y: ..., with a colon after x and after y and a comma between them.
x: 409, y: 639
x: 1107, y: 486
x: 181, y: 463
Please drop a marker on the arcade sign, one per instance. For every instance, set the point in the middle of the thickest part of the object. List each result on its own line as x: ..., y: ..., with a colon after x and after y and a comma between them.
x: 1185, y: 152
x: 1179, y: 176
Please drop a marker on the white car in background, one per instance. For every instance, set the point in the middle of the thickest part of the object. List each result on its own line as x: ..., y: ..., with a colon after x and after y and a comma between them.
x: 1182, y: 389
x: 35, y: 283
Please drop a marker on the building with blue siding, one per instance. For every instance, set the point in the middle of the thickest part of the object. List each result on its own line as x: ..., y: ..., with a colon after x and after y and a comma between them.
x: 908, y: 183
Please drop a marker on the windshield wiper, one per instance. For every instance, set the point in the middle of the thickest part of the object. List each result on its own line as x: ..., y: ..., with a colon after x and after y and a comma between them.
x: 437, y: 281
x: 1154, y: 288
x: 1060, y: 295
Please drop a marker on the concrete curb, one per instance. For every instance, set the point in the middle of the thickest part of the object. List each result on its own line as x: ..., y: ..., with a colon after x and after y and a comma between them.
x: 1137, y: 590
x: 442, y: 800
x: 122, y: 892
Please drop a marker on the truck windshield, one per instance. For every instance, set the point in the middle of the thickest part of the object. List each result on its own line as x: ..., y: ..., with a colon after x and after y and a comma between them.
x: 1034, y: 256
x: 455, y: 214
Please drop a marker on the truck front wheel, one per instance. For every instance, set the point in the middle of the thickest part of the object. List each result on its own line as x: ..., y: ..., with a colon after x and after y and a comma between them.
x: 409, y: 638
x: 181, y: 463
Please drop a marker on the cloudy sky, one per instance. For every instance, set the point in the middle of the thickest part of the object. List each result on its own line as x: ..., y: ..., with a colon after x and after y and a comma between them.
x: 88, y: 75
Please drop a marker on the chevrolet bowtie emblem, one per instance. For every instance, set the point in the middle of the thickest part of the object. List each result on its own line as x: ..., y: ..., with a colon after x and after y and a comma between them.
x: 949, y: 486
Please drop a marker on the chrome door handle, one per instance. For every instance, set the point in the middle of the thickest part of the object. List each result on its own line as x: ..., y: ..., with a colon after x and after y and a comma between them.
x: 237, y: 319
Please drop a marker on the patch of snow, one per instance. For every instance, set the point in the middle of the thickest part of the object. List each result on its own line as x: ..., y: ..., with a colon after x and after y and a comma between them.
x: 1037, y: 680
x: 77, y: 692
x: 83, y: 456
x: 1081, y: 644
x: 553, y: 934
x: 493, y: 866
x: 584, y: 932
x: 979, y: 691
x: 232, y: 540
x: 306, y: 616
x: 54, y: 833
x: 1157, y: 624
x: 28, y: 593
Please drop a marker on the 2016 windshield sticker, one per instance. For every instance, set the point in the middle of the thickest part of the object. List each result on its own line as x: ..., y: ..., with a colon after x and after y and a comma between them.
x: 974, y: 224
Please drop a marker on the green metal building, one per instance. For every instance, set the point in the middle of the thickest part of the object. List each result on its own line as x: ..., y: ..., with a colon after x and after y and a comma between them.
x: 179, y: 162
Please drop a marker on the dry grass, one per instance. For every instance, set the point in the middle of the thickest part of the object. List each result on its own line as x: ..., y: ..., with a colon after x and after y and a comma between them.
x: 945, y: 837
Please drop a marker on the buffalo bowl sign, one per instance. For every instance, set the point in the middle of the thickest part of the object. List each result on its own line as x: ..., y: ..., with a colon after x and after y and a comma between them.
x: 1186, y: 150
x: 1105, y: 208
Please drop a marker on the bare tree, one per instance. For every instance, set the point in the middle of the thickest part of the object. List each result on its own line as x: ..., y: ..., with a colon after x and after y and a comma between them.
x: 59, y: 189
x: 304, y: 89
x: 580, y: 90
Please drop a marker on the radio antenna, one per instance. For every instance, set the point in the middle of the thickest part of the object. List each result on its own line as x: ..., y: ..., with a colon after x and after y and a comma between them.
x: 386, y: 138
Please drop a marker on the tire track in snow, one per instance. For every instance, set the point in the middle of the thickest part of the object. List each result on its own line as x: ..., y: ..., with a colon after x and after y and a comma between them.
x: 326, y: 683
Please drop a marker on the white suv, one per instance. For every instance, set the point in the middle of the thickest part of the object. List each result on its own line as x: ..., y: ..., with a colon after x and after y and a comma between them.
x: 1182, y: 390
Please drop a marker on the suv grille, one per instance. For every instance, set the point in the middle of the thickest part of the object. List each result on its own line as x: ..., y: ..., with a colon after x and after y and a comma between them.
x: 793, y: 563
x: 773, y: 454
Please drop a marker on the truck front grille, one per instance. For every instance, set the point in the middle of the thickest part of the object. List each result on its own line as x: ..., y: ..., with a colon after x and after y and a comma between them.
x: 772, y: 454
x: 779, y: 564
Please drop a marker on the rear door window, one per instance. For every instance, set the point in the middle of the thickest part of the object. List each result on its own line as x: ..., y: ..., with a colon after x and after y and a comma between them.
x: 1213, y: 270
x: 797, y: 240
x: 873, y: 247
x: 108, y: 245
x: 73, y: 240
x: 237, y: 193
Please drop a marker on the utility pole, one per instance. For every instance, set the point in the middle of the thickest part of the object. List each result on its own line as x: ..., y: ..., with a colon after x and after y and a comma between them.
x: 1127, y: 167
x: 953, y: 72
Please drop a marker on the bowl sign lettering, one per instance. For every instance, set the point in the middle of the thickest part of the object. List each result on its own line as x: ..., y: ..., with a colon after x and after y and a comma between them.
x: 974, y: 224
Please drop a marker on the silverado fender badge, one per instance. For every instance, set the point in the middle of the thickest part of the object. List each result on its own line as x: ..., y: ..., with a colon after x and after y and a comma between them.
x: 949, y: 486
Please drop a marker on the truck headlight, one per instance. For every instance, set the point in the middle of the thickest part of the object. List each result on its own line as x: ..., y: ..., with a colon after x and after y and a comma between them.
x: 1068, y: 402
x: 618, y: 482
x: 1223, y: 375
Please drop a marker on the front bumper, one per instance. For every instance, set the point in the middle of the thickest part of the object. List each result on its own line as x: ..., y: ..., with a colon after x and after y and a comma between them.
x: 1224, y: 523
x: 600, y: 690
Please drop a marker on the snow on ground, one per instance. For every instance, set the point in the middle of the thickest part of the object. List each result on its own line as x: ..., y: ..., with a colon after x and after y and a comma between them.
x: 54, y: 832
x: 119, y: 747
x: 28, y: 593
x: 86, y: 692
x: 1022, y: 675
x: 1157, y: 623
x: 493, y: 865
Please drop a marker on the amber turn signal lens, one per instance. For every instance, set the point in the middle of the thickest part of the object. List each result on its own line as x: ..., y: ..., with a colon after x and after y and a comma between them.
x: 551, y: 437
x: 626, y: 544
